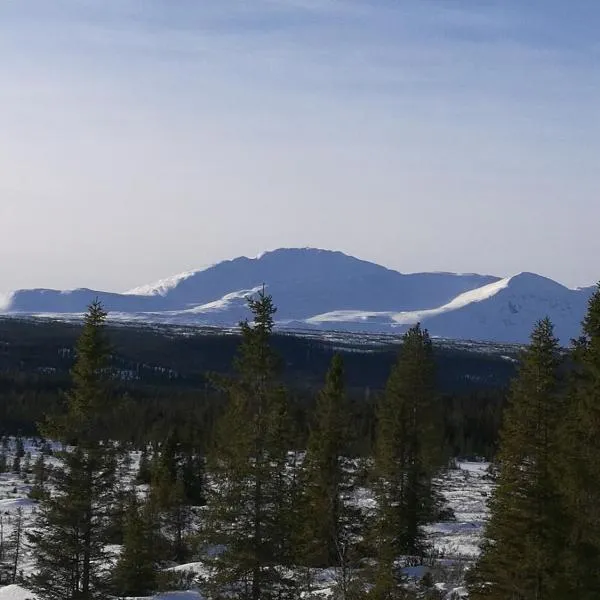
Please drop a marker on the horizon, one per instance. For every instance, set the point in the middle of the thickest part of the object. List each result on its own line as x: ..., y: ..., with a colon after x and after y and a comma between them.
x: 145, y: 141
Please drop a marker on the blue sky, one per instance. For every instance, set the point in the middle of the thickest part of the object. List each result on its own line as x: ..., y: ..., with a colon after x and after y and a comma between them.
x: 143, y: 138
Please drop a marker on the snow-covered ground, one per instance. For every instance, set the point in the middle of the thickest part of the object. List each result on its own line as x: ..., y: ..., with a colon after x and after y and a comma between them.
x: 455, y: 542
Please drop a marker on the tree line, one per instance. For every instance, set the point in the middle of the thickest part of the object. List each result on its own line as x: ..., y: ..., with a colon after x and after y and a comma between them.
x: 35, y: 374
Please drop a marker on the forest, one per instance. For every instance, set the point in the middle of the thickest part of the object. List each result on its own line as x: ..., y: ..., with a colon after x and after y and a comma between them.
x: 163, y: 376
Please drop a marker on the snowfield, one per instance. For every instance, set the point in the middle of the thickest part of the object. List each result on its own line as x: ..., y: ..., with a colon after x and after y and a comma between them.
x: 455, y: 543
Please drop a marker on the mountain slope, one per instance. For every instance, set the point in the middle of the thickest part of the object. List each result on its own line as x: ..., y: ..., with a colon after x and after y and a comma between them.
x: 502, y: 311
x: 510, y: 314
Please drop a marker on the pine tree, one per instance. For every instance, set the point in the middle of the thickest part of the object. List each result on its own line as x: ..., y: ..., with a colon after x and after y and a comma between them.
x: 324, y: 518
x: 245, y: 510
x: 137, y: 570
x: 70, y: 534
x: 523, y: 539
x: 405, y: 461
x: 579, y: 466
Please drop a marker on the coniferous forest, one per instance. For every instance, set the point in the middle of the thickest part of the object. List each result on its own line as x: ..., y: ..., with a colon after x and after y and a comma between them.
x: 272, y: 463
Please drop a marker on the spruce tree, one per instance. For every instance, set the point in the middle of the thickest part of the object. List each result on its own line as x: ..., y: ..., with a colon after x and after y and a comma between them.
x: 246, y: 505
x: 137, y: 570
x: 405, y: 461
x: 323, y: 516
x: 579, y: 465
x: 70, y: 533
x: 520, y: 557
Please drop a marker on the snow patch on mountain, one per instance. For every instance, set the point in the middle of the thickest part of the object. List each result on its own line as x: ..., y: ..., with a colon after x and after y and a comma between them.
x: 227, y: 302
x: 462, y: 300
x: 163, y: 286
x: 414, y: 316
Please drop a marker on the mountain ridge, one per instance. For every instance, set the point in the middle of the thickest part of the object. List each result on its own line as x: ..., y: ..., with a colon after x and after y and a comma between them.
x: 324, y: 289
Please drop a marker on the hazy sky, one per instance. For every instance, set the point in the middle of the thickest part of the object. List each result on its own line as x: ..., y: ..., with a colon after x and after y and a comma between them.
x: 140, y: 138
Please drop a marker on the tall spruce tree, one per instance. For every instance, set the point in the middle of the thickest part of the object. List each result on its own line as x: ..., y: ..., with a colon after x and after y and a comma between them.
x: 324, y: 518
x: 405, y: 461
x: 70, y: 533
x: 579, y: 463
x: 520, y: 557
x: 246, y: 503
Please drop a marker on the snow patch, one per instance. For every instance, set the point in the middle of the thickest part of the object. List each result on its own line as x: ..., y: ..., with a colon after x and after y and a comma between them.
x: 163, y: 286
x: 223, y: 303
x: 465, y: 299
x: 13, y: 504
x: 412, y: 317
x: 16, y: 592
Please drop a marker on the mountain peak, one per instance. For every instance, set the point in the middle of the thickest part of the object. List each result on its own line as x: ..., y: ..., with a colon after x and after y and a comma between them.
x: 532, y: 282
x: 297, y: 251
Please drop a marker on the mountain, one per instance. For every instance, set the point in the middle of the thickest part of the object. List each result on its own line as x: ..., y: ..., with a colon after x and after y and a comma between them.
x: 322, y: 289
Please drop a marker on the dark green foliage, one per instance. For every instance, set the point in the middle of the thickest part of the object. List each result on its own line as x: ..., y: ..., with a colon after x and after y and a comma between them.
x: 579, y: 463
x: 524, y: 536
x: 246, y: 515
x: 323, y: 523
x: 169, y: 388
x: 180, y: 459
x: 177, y: 521
x: 71, y: 529
x: 137, y: 570
x: 88, y: 400
x: 406, y: 459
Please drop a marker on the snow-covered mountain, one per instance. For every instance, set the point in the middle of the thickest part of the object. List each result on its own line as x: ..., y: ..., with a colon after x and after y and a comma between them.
x: 322, y: 289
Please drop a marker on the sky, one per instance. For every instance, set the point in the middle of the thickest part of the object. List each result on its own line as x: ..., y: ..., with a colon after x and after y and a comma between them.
x: 141, y: 138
